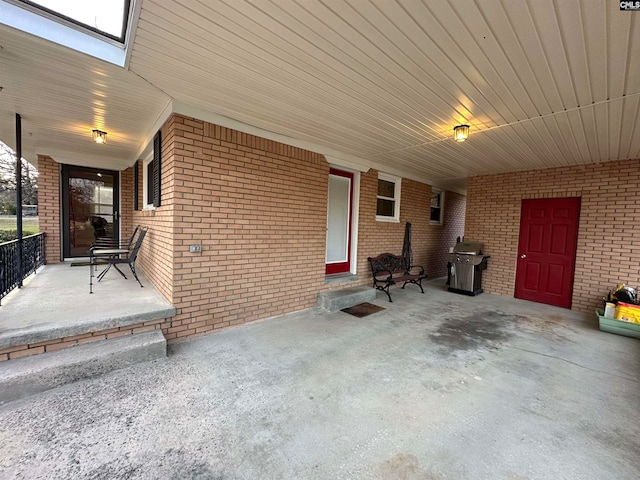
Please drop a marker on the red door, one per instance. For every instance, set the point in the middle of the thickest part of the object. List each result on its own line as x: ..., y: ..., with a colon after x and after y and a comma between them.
x: 547, y: 250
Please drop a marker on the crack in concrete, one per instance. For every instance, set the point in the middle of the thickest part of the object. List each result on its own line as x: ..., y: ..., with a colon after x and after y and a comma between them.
x: 634, y: 380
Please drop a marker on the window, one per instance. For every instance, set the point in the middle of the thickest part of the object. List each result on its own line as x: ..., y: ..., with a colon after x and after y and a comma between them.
x: 147, y: 183
x: 152, y: 178
x: 437, y: 207
x: 388, y: 205
x: 107, y: 19
x: 149, y: 189
x: 136, y: 186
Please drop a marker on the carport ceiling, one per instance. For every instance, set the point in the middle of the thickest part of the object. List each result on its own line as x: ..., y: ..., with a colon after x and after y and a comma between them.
x: 542, y: 83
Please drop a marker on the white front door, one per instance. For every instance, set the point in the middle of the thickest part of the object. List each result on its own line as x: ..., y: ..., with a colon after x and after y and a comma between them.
x: 338, y: 257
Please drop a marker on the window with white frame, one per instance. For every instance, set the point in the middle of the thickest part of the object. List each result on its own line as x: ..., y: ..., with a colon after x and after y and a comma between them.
x: 437, y: 207
x: 147, y: 183
x: 151, y: 172
x: 388, y: 198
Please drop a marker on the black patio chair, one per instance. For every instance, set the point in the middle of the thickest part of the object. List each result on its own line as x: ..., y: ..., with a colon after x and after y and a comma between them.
x: 114, y: 257
x: 102, y: 243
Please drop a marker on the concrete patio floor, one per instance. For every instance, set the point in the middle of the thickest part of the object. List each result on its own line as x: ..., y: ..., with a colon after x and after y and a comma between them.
x: 55, y: 303
x: 436, y: 386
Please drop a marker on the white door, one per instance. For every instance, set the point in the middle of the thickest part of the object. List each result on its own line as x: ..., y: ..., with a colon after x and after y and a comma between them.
x: 338, y: 258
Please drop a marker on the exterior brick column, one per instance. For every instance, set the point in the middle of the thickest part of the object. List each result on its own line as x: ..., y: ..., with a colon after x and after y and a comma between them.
x: 49, y: 206
x: 126, y: 202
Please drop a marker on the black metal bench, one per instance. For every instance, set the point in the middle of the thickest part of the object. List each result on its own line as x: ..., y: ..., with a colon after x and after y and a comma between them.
x: 388, y: 269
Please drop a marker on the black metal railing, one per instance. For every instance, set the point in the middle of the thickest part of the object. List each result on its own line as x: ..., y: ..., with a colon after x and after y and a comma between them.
x: 12, y: 273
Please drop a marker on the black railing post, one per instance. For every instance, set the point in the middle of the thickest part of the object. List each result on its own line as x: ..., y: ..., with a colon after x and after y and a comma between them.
x: 19, y: 194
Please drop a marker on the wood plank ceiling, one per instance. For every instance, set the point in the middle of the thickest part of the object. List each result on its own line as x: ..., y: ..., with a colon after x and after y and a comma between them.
x: 542, y: 83
x: 62, y: 95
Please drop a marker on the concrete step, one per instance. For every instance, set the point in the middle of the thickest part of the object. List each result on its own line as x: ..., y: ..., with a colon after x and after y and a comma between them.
x: 30, y: 375
x: 345, y: 298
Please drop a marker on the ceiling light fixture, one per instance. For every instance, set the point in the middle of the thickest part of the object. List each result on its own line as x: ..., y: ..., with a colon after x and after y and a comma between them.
x: 99, y: 136
x: 461, y: 133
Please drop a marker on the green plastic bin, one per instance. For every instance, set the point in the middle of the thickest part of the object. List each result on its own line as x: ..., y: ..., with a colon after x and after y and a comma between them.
x: 610, y: 325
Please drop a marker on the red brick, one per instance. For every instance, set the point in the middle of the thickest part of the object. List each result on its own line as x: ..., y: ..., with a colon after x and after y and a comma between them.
x: 26, y: 353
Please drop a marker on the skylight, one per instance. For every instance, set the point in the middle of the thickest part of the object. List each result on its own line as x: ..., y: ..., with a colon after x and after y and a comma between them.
x: 108, y: 19
x: 102, y: 29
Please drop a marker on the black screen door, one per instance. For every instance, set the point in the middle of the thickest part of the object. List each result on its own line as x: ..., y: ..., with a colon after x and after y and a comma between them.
x: 89, y: 208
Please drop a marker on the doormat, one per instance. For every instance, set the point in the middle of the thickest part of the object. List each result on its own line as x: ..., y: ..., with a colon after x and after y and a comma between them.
x: 80, y: 263
x: 362, y: 309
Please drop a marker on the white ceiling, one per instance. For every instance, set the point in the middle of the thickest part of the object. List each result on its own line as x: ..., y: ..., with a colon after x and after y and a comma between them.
x: 541, y: 82
x: 62, y: 95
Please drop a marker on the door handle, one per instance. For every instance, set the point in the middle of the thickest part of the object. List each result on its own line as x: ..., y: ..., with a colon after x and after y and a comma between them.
x: 523, y: 256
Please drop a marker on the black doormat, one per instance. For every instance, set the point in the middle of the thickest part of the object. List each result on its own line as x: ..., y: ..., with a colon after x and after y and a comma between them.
x: 80, y: 263
x: 362, y: 309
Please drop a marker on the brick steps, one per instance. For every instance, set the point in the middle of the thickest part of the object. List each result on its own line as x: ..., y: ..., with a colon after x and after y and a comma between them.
x: 30, y: 375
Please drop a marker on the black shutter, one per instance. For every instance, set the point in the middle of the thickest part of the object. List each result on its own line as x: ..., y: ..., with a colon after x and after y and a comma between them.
x: 136, y: 181
x: 157, y: 147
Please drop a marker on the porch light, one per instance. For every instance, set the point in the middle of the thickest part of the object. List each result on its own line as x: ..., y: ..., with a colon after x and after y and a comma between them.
x: 461, y: 133
x: 99, y: 136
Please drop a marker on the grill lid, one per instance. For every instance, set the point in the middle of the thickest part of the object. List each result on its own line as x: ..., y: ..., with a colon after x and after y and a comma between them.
x: 468, y: 247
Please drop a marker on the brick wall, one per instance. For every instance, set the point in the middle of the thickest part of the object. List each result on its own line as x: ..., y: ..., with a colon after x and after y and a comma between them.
x: 126, y: 203
x: 452, y: 228
x: 608, y: 236
x: 429, y: 243
x: 156, y: 256
x: 49, y: 207
x: 258, y: 210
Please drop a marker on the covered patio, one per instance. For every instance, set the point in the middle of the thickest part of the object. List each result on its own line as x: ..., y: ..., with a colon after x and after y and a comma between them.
x: 54, y: 305
x: 434, y: 386
x: 221, y: 137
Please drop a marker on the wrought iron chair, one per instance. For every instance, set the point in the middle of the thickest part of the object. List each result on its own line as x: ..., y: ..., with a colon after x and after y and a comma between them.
x: 114, y: 257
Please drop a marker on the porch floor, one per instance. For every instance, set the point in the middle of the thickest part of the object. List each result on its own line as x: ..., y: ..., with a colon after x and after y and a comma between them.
x: 435, y: 386
x: 55, y: 303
